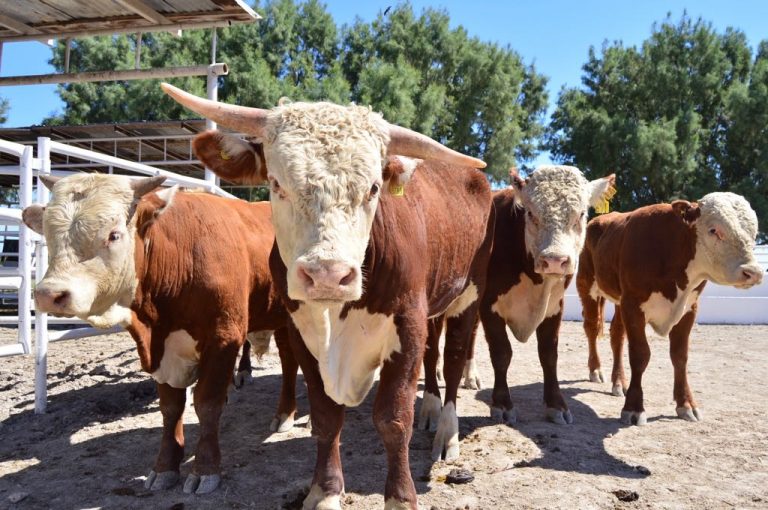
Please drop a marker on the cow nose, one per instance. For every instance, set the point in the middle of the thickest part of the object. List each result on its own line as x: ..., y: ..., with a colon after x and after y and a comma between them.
x: 326, y: 275
x: 752, y: 275
x: 554, y: 265
x: 51, y: 300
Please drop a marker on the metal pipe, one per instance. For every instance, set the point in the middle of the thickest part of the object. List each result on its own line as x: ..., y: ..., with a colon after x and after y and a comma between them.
x: 41, y: 255
x: 127, y: 30
x: 25, y: 253
x: 67, y: 48
x: 137, y: 53
x: 128, y: 74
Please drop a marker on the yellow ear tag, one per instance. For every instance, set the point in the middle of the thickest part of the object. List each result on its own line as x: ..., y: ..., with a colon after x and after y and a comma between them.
x: 397, y: 190
x: 223, y: 155
x: 604, y: 205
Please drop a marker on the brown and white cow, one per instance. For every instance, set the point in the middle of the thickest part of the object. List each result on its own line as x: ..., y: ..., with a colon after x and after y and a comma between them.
x: 539, y: 233
x: 187, y: 274
x: 367, y: 248
x: 653, y: 264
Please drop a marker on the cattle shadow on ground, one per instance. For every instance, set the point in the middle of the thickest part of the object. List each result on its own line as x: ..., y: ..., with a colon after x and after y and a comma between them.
x: 578, y: 447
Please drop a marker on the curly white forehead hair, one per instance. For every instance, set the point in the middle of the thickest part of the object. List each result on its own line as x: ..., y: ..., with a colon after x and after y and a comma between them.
x: 731, y: 209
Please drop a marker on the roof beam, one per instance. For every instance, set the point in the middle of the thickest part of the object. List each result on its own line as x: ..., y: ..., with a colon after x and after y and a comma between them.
x: 17, y: 26
x: 144, y: 10
x: 129, y: 74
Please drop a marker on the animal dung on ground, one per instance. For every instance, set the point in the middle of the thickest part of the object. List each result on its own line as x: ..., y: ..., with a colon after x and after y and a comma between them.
x: 459, y: 476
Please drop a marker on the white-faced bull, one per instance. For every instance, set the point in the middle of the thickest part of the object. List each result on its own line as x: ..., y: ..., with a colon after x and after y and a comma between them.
x: 369, y: 244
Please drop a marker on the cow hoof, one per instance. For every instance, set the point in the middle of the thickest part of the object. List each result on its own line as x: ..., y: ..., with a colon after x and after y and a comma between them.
x: 429, y: 412
x: 596, y: 376
x: 505, y: 416
x: 161, y: 481
x: 447, y: 435
x: 316, y: 500
x: 689, y: 414
x: 472, y: 376
x: 393, y: 504
x: 618, y: 390
x: 633, y: 418
x: 559, y: 417
x: 242, y: 378
x: 281, y: 423
x: 201, y: 484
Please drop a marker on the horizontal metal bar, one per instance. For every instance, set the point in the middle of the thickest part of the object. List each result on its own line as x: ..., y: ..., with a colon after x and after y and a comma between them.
x: 175, y: 27
x: 11, y: 350
x: 127, y: 74
x: 72, y: 334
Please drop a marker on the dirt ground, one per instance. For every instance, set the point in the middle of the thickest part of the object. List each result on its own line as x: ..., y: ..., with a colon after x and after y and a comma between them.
x: 98, y: 441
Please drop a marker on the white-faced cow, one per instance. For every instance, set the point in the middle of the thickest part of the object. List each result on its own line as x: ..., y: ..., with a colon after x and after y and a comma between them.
x: 539, y: 233
x: 653, y: 264
x: 187, y: 274
x: 367, y: 248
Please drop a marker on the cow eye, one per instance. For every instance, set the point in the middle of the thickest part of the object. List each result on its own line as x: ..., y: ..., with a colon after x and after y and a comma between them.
x: 114, y: 236
x: 375, y: 187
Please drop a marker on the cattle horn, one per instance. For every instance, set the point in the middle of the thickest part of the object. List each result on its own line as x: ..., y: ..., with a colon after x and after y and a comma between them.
x: 49, y: 180
x: 239, y: 118
x: 144, y: 185
x: 405, y: 142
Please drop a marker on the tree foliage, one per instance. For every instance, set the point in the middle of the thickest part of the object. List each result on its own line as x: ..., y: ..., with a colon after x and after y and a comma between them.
x: 4, y: 107
x: 683, y: 115
x: 474, y: 96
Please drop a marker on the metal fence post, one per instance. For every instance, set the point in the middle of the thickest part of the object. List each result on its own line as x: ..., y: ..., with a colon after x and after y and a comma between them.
x: 25, y: 253
x: 41, y: 256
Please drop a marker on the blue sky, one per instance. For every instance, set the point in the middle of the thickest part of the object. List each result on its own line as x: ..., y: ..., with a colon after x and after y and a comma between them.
x: 555, y: 35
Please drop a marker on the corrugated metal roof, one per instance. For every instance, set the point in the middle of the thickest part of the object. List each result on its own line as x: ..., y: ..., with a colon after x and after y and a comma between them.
x: 57, y: 18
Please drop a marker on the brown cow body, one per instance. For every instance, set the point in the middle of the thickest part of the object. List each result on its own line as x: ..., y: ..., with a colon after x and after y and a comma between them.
x: 421, y: 259
x: 202, y: 282
x: 653, y: 264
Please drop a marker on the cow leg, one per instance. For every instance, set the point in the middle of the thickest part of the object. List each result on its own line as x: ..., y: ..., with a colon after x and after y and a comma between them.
x: 679, y: 343
x: 165, y: 472
x: 216, y: 365
x: 286, y: 408
x: 592, y: 328
x: 618, y: 378
x: 500, y: 350
x: 459, y: 330
x: 639, y: 356
x: 471, y: 373
x: 393, y: 412
x: 547, y: 337
x: 429, y: 411
x: 243, y: 375
x: 327, y: 421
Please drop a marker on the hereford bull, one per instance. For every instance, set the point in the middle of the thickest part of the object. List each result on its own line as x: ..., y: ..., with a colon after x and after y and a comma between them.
x: 653, y: 264
x: 187, y: 274
x: 367, y: 248
x: 539, y: 232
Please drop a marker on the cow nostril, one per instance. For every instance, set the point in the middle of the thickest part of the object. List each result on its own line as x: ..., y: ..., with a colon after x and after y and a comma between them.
x: 349, y: 278
x: 305, y: 278
x: 748, y: 275
x: 62, y: 298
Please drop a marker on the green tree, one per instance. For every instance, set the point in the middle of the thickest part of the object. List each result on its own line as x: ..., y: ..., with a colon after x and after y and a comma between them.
x: 664, y: 116
x: 4, y: 107
x: 473, y: 96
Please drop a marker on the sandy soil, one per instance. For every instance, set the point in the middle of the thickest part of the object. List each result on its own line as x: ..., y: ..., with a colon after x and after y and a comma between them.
x: 101, y: 433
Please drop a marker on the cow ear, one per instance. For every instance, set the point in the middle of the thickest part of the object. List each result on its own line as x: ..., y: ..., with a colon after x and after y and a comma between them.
x: 514, y: 178
x: 690, y: 212
x: 397, y: 172
x: 32, y: 217
x: 601, y: 191
x: 158, y: 204
x: 231, y: 157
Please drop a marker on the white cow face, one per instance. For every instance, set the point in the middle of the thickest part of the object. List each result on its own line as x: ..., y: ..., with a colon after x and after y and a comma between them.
x: 325, y: 173
x: 726, y: 229
x: 89, y: 229
x: 556, y: 200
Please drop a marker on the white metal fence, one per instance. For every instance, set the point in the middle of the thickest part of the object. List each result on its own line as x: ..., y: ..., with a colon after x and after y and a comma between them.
x: 19, y: 278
